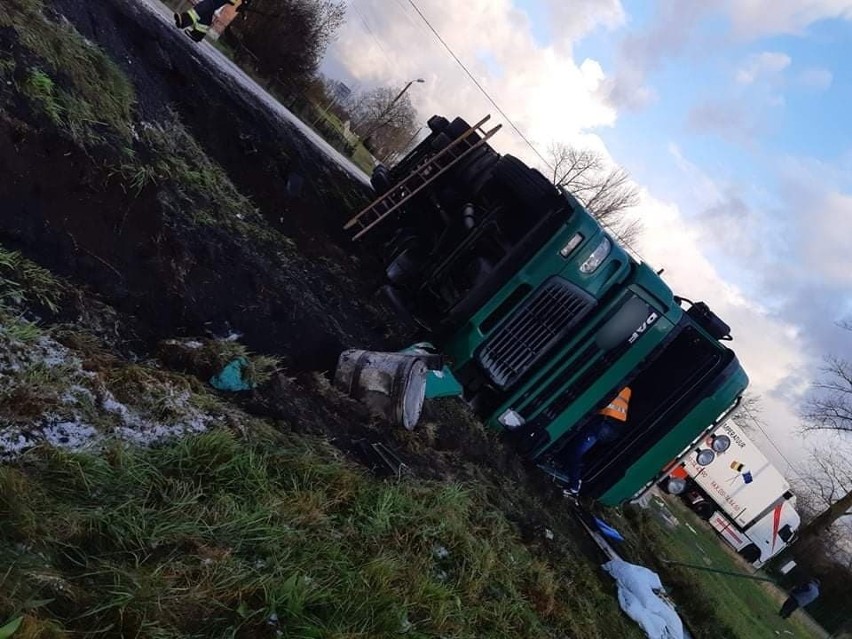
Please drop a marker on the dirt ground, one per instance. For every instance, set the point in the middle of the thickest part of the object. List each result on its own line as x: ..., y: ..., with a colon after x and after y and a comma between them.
x: 60, y: 211
x: 168, y: 278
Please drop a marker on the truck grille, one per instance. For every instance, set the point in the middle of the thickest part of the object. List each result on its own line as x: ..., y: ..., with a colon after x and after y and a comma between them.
x: 532, y: 329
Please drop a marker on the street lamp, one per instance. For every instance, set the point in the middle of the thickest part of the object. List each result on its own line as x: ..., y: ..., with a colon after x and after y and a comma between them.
x: 379, y: 123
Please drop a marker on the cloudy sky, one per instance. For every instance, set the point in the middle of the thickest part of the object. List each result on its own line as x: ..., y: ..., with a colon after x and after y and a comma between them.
x: 730, y: 115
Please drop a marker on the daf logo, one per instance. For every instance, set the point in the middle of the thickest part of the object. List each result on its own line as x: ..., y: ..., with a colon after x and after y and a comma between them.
x: 643, y: 327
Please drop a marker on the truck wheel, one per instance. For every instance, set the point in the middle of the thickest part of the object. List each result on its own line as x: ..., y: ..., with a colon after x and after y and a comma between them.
x: 525, y: 183
x: 380, y: 180
x: 750, y: 553
x: 459, y: 126
x: 437, y: 123
x: 441, y: 141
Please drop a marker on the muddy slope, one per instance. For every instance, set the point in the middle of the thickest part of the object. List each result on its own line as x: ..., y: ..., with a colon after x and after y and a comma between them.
x: 64, y: 207
x: 262, y: 153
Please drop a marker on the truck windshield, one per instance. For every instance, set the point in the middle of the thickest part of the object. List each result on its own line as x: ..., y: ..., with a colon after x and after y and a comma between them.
x: 663, y: 393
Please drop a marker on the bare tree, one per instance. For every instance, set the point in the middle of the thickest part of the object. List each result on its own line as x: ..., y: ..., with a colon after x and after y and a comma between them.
x: 747, y: 414
x: 828, y: 482
x: 606, y: 191
x: 828, y: 477
x: 829, y: 408
x: 385, y: 119
x: 286, y: 39
x: 830, y: 404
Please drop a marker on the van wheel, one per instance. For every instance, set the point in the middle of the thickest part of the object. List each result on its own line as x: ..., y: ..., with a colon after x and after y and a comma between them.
x: 750, y: 553
x: 704, y: 510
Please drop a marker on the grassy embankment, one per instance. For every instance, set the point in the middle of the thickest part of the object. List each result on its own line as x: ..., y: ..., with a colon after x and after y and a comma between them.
x: 237, y: 529
x: 715, y: 604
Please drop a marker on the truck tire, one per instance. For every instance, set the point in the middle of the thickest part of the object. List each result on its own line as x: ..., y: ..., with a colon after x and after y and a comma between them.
x: 441, y: 141
x: 380, y: 180
x: 750, y: 553
x: 527, y: 184
x: 457, y: 127
x: 437, y: 123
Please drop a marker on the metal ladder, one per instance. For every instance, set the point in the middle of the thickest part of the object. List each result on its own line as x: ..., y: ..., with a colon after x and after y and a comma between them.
x: 420, y: 178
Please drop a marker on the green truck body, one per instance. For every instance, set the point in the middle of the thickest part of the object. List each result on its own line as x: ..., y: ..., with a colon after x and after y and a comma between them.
x: 543, y: 317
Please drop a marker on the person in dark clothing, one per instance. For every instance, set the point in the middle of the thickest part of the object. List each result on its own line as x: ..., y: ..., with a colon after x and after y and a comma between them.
x: 606, y: 427
x: 800, y: 596
x: 197, y: 20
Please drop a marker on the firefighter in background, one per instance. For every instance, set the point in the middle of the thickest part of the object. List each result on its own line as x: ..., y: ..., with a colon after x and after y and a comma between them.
x: 606, y: 427
x: 197, y: 20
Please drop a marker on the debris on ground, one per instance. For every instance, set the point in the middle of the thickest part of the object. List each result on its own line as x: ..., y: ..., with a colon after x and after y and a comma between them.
x: 639, y: 597
x: 391, y: 385
x: 232, y: 377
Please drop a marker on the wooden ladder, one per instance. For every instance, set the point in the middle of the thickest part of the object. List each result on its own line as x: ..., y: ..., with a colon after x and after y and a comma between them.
x: 421, y: 177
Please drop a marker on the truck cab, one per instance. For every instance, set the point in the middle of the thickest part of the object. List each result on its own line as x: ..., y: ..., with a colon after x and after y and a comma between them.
x: 540, y: 312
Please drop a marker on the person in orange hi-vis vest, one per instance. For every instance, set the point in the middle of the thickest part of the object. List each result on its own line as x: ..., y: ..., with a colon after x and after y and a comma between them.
x: 607, y: 426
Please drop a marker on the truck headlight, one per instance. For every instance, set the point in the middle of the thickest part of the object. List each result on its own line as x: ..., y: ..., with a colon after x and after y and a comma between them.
x: 720, y: 443
x: 511, y: 420
x: 597, y: 257
x: 676, y: 485
x: 705, y: 457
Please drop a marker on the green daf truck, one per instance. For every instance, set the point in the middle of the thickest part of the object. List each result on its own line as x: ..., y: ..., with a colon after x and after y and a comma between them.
x: 540, y: 313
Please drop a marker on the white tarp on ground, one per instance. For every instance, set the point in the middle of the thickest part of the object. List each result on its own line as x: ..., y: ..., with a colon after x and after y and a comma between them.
x: 637, y: 596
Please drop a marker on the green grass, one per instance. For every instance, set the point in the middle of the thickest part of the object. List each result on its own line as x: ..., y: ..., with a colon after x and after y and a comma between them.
x: 216, y: 536
x: 23, y: 282
x: 79, y: 86
x: 716, y: 605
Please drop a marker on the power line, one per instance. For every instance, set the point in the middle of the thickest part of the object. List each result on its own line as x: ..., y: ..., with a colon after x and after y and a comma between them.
x: 478, y: 85
x: 544, y: 160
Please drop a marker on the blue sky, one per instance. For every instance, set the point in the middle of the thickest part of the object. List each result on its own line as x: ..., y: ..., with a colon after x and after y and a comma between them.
x: 730, y: 115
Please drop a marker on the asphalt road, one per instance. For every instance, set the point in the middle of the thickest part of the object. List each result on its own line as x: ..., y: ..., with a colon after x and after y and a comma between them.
x: 216, y: 58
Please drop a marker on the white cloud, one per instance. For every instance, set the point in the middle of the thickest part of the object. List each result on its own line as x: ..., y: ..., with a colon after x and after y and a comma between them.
x: 578, y: 18
x: 761, y: 340
x: 670, y: 34
x: 728, y: 119
x: 762, y: 65
x: 753, y: 19
x: 827, y: 238
x: 548, y: 94
x: 815, y: 78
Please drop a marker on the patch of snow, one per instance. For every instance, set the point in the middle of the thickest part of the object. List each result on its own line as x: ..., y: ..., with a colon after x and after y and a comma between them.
x: 68, y: 430
x: 439, y: 552
x: 68, y: 435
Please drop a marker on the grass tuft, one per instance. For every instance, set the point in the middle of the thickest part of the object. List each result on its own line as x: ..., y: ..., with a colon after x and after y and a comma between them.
x: 40, y: 88
x: 23, y: 282
x: 81, y: 88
